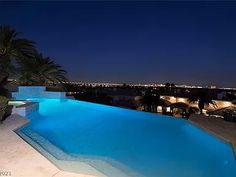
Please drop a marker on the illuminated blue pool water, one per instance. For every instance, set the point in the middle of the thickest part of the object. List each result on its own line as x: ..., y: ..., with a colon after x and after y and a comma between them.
x: 141, y: 144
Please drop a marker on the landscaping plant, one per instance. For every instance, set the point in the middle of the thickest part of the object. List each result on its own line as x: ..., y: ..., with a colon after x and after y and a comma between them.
x: 3, y: 107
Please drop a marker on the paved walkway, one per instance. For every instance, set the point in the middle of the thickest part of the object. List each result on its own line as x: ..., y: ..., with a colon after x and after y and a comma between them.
x: 19, y: 159
x: 219, y: 127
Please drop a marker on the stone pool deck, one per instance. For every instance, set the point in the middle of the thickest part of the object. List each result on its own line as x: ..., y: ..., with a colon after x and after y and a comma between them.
x: 217, y: 126
x: 19, y: 159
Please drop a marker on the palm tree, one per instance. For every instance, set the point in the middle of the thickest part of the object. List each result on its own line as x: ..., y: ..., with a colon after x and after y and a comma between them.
x: 146, y: 101
x: 40, y: 71
x: 3, y: 90
x: 202, y: 98
x: 151, y: 100
x: 172, y: 85
x: 12, y: 47
x: 167, y: 85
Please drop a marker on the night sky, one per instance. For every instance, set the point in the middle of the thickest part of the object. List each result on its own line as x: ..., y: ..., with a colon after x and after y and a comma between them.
x: 133, y: 42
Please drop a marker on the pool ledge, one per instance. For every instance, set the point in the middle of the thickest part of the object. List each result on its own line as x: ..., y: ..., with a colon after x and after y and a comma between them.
x: 20, y: 159
x: 26, y: 108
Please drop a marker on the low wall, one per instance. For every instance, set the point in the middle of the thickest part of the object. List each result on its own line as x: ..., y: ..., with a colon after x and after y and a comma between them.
x: 26, y: 108
x: 36, y: 92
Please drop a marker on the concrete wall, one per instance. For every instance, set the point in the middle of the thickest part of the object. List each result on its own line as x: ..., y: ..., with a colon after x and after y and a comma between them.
x: 36, y: 92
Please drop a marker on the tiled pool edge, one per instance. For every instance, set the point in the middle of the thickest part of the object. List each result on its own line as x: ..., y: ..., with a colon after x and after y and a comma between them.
x: 74, y: 164
x: 58, y: 163
x: 49, y: 156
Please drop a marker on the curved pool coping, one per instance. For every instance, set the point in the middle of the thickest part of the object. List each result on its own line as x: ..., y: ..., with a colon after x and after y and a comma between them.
x: 78, y: 164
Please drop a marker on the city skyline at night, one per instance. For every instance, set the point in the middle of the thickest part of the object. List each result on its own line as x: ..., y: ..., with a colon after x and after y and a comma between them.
x: 190, y: 43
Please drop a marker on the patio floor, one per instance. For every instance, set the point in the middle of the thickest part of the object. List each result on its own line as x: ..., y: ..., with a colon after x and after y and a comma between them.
x: 217, y: 126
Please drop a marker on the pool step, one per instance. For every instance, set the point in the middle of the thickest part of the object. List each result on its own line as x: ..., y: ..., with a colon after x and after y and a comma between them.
x: 98, y: 166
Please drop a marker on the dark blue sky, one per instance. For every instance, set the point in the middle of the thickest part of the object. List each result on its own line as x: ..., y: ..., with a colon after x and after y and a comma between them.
x: 133, y: 42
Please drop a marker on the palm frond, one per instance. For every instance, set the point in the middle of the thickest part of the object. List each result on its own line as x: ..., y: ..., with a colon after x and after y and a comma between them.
x: 13, y: 47
x: 40, y: 71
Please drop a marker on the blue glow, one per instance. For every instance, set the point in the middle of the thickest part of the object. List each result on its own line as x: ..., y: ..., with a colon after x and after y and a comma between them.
x: 147, y: 144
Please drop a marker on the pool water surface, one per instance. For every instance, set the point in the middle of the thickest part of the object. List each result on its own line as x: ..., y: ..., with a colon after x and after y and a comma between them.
x: 137, y: 143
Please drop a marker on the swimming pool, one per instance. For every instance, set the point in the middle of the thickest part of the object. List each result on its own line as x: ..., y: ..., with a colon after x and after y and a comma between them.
x: 133, y: 142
